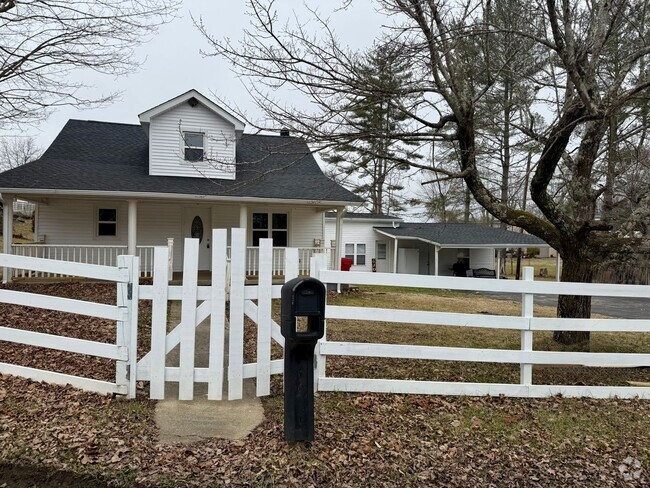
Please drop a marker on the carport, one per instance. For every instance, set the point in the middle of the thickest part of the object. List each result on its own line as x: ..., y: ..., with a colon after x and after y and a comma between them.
x: 439, y: 246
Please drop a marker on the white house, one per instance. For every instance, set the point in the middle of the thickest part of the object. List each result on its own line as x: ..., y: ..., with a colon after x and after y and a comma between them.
x: 421, y: 248
x: 104, y: 189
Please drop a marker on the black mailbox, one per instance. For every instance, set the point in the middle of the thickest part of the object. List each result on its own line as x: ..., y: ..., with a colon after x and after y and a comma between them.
x: 303, y: 298
x: 302, y: 324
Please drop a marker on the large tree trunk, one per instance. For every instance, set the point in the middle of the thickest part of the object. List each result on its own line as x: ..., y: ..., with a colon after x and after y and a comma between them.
x: 579, y: 270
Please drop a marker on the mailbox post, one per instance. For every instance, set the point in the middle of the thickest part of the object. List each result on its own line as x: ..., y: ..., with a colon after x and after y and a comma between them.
x: 302, y: 324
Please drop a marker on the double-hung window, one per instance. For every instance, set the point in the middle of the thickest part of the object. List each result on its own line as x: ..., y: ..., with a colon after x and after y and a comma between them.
x: 106, y: 222
x: 193, y: 143
x: 274, y: 225
x: 357, y: 253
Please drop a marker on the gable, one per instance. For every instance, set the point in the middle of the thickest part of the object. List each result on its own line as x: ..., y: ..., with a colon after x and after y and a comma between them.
x: 168, y: 135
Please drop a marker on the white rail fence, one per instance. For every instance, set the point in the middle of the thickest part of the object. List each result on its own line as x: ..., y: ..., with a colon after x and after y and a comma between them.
x: 125, y: 314
x: 526, y: 357
x: 102, y: 255
x: 305, y: 254
x: 227, y: 302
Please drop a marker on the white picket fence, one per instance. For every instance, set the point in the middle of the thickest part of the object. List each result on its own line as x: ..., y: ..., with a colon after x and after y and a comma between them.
x: 526, y: 357
x: 202, y: 302
x: 125, y: 314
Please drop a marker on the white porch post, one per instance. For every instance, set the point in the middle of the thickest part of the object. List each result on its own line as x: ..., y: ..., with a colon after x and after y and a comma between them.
x: 132, y: 233
x: 435, y: 260
x: 340, y: 212
x: 395, y: 256
x: 243, y: 221
x: 558, y: 267
x: 7, y: 230
x: 498, y: 263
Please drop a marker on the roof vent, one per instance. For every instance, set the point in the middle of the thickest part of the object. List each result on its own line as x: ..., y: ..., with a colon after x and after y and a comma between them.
x: 193, y: 102
x: 285, y: 132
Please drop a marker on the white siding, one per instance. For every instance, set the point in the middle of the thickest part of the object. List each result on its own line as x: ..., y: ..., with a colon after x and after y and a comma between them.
x: 306, y: 224
x: 74, y: 222
x: 481, y: 258
x: 359, y: 232
x: 166, y: 143
x: 156, y: 223
x: 225, y: 217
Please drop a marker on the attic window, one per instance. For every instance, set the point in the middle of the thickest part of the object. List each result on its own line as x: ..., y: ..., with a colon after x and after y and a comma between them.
x: 193, y: 145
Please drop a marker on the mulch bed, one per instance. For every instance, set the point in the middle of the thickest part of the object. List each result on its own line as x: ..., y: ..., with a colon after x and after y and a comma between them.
x: 361, y: 439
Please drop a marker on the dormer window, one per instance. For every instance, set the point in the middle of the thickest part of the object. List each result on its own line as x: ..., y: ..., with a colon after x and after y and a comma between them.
x: 194, y: 144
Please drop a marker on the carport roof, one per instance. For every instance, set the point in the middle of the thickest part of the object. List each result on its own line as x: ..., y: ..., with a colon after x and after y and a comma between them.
x: 462, y: 235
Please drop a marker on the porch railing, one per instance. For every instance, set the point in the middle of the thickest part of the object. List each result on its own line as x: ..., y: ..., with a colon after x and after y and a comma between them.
x: 106, y: 255
x: 87, y: 254
x: 304, y: 257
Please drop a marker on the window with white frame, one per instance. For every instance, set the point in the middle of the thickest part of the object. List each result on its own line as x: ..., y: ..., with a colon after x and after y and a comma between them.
x: 357, y: 253
x: 106, y: 222
x: 382, y: 250
x: 274, y: 225
x: 193, y: 143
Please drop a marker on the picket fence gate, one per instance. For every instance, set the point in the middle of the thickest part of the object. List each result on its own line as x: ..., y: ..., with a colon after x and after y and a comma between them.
x: 200, y: 303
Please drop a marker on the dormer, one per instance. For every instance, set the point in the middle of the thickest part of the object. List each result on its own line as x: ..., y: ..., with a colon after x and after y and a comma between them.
x: 191, y: 136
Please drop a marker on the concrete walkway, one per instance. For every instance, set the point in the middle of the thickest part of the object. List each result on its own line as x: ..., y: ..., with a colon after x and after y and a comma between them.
x: 190, y: 421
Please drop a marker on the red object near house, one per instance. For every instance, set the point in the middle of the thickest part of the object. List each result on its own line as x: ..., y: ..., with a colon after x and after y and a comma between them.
x: 346, y: 264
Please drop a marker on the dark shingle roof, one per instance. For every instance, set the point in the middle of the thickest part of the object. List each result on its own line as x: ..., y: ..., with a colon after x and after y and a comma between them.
x: 362, y: 215
x: 104, y: 156
x: 463, y: 234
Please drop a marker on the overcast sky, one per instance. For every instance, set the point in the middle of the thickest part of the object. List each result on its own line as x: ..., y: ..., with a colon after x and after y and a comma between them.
x: 172, y: 63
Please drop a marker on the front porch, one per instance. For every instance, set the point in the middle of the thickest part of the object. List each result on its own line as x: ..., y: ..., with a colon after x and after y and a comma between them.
x: 97, y: 231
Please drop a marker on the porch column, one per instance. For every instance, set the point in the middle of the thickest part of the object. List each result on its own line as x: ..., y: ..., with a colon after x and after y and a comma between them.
x: 435, y: 260
x: 558, y: 267
x: 340, y: 212
x: 395, y: 256
x: 7, y: 230
x: 132, y: 232
x: 498, y: 263
x: 243, y: 220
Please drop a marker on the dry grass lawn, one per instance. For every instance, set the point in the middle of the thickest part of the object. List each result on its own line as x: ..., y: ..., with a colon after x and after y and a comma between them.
x: 436, y: 335
x: 361, y: 440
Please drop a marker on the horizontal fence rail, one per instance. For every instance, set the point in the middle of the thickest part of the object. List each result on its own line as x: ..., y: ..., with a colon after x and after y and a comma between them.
x: 526, y: 357
x: 124, y: 314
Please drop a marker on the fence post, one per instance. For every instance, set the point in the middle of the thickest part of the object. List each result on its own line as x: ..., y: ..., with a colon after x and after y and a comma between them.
x: 170, y: 262
x: 127, y: 331
x: 236, y: 338
x: 158, y: 324
x: 264, y: 304
x: 317, y: 263
x: 526, y: 374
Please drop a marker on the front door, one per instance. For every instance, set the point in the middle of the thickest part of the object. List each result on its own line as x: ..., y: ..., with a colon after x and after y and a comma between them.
x: 381, y: 255
x: 197, y: 223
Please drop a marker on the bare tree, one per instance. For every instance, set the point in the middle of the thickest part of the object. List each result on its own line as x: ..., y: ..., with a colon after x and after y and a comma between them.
x: 577, y: 89
x: 16, y: 151
x: 42, y: 42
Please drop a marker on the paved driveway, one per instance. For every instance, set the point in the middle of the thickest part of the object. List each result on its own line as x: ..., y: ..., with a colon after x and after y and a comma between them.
x: 623, y: 308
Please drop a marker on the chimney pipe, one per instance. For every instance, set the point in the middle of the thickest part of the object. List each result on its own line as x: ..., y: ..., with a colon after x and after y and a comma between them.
x: 285, y: 132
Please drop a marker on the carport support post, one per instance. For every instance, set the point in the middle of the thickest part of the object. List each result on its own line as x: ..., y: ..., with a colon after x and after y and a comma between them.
x: 7, y: 230
x: 395, y: 256
x: 132, y: 232
x: 526, y: 373
x: 340, y: 212
x: 498, y: 263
